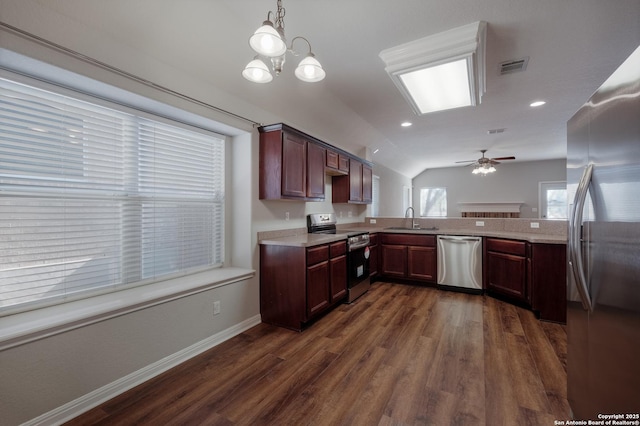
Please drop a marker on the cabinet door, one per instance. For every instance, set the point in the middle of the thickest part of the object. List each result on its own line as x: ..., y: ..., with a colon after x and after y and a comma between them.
x: 374, y: 253
x: 332, y: 159
x: 421, y: 263
x: 507, y: 275
x: 343, y: 163
x: 355, y: 180
x: 317, y: 288
x: 548, y: 281
x: 394, y: 261
x: 367, y: 184
x: 294, y: 166
x: 338, y: 273
x: 315, y: 171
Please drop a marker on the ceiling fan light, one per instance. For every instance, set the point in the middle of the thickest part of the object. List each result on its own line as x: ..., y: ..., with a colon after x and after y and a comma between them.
x: 268, y: 41
x: 257, y: 72
x: 310, y: 70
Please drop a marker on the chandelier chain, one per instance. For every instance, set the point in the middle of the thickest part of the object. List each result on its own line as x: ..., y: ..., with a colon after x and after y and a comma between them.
x: 281, y: 11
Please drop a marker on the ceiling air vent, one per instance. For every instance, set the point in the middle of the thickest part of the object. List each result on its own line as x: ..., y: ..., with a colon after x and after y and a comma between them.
x: 514, y: 65
x: 495, y: 131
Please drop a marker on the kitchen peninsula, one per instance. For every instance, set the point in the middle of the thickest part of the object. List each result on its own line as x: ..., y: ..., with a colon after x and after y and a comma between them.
x: 524, y: 260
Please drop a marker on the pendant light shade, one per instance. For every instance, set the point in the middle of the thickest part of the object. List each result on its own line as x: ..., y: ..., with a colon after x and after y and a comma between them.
x: 270, y: 44
x: 267, y: 41
x: 310, y: 70
x: 257, y: 72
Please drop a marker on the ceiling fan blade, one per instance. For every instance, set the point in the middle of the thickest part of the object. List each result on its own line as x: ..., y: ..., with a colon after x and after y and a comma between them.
x: 504, y: 158
x: 467, y: 161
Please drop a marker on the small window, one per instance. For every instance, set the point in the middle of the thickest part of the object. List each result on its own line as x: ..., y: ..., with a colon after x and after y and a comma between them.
x: 375, y: 196
x: 553, y: 200
x: 433, y: 202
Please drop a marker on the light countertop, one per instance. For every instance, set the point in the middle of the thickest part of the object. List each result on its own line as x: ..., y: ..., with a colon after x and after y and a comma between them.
x: 309, y: 240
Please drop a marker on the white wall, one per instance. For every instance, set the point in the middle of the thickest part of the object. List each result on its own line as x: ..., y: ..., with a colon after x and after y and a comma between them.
x: 512, y: 182
x: 391, y: 187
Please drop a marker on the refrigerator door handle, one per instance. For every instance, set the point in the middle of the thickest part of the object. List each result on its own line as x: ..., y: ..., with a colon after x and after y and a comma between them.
x: 575, y: 244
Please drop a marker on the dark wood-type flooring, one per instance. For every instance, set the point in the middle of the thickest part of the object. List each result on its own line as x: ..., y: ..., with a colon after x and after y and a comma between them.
x: 400, y: 355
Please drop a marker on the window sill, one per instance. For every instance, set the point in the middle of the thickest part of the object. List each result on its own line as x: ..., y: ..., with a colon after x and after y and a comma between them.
x: 26, y: 327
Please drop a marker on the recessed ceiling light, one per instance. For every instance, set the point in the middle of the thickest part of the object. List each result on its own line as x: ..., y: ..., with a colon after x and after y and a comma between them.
x: 406, y: 124
x: 537, y: 103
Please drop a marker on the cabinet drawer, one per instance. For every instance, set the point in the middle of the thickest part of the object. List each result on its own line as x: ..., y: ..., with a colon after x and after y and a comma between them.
x: 317, y: 254
x: 409, y: 240
x: 519, y: 248
x: 337, y: 249
x: 373, y: 239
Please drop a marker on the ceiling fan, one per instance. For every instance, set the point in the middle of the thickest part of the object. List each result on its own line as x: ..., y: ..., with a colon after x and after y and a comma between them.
x: 485, y: 165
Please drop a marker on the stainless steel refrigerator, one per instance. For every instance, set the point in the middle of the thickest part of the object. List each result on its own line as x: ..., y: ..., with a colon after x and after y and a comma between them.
x: 603, y: 312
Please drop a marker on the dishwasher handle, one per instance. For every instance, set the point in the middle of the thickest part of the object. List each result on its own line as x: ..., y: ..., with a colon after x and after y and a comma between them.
x: 459, y: 239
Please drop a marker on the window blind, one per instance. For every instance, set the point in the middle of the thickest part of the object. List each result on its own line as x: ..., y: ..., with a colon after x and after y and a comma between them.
x: 93, y: 199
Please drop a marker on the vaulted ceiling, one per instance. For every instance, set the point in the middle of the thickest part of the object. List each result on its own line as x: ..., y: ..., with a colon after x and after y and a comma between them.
x: 573, y: 46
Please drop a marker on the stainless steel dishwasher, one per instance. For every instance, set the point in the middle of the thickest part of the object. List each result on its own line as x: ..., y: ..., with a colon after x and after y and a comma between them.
x: 460, y: 263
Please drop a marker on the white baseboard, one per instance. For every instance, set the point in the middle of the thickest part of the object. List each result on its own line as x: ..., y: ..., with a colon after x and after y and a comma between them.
x: 86, y: 402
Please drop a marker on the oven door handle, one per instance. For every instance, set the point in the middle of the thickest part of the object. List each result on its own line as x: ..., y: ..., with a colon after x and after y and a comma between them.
x: 357, y: 246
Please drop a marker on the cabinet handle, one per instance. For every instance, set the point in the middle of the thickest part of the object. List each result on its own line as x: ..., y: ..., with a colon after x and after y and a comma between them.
x: 575, y: 244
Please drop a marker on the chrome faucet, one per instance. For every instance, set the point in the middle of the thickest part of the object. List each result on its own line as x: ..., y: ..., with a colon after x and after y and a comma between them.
x: 414, y: 225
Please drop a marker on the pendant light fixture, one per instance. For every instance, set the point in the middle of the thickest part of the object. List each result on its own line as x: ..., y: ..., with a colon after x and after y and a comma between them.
x: 269, y: 42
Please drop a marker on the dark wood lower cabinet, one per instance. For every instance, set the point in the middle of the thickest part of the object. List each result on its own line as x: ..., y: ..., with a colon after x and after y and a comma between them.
x: 507, y: 275
x: 318, y: 296
x: 420, y: 261
x: 549, y: 281
x: 394, y: 261
x: 299, y: 284
x: 409, y: 256
x: 338, y: 271
x: 374, y: 257
x: 533, y: 274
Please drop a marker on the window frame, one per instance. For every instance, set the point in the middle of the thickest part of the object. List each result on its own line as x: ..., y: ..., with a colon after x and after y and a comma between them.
x: 22, y: 327
x: 545, y: 186
x: 446, y: 201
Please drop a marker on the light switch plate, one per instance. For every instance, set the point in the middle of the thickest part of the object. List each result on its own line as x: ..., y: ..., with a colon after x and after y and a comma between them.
x: 535, y: 225
x: 479, y: 223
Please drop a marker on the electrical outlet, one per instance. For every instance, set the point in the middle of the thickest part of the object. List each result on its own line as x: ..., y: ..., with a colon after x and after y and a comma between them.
x: 372, y: 221
x: 479, y: 223
x: 216, y: 307
x: 286, y: 215
x: 535, y: 225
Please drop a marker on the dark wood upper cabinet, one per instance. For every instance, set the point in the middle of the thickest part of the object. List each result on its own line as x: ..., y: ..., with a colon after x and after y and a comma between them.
x: 367, y: 184
x: 294, y: 165
x: 315, y: 171
x: 355, y: 181
x: 291, y: 166
x: 356, y: 187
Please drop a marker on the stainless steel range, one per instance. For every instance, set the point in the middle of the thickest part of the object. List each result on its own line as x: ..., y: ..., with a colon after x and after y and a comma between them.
x: 358, y: 253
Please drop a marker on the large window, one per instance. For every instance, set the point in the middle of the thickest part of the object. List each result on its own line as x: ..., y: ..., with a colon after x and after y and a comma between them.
x: 93, y: 199
x: 433, y: 202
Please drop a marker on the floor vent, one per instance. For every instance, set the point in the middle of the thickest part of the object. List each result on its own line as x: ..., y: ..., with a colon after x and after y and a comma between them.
x: 515, y: 65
